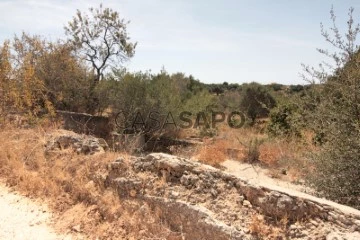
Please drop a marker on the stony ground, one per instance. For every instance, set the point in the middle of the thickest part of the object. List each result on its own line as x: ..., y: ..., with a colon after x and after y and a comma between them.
x: 194, y: 198
x: 161, y: 196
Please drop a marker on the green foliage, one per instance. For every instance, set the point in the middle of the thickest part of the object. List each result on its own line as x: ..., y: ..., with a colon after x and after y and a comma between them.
x: 132, y: 93
x: 276, y: 87
x: 66, y: 80
x: 285, y: 120
x: 230, y: 100
x: 296, y: 88
x: 39, y: 76
x: 337, y: 169
x: 336, y: 123
x: 219, y: 89
x: 334, y: 114
x: 256, y: 101
x: 102, y: 38
x: 124, y: 92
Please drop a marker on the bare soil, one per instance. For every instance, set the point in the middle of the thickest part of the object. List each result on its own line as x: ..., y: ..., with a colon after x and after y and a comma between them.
x: 24, y: 218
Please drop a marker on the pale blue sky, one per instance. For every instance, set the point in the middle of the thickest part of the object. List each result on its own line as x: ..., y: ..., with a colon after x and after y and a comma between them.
x: 224, y: 40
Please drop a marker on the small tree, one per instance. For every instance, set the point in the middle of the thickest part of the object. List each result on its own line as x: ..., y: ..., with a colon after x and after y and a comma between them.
x: 102, y: 39
x: 256, y: 102
x: 334, y: 113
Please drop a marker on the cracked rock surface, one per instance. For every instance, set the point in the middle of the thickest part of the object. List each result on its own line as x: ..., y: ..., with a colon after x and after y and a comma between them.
x: 202, y: 202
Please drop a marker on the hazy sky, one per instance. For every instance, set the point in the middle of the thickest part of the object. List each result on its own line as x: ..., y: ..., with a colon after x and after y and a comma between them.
x: 224, y: 40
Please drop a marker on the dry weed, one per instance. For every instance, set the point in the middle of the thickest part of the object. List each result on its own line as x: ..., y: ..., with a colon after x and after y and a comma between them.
x: 261, y: 229
x: 68, y: 183
x: 213, y: 153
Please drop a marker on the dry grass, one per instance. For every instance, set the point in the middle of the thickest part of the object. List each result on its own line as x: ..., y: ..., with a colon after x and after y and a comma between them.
x: 71, y: 186
x: 261, y: 229
x: 281, y: 156
x: 213, y: 152
x: 69, y: 180
x: 287, y: 156
x: 270, y: 154
x: 226, y: 146
x: 24, y: 164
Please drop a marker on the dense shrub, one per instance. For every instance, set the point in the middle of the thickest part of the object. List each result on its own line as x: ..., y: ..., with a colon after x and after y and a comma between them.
x: 23, y: 90
x: 334, y: 114
x: 284, y: 121
x: 162, y: 95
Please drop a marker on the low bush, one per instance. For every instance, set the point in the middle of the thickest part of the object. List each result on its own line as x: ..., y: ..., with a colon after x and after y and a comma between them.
x: 284, y: 121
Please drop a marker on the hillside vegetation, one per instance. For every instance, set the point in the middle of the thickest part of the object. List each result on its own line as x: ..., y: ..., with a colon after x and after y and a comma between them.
x: 309, y: 131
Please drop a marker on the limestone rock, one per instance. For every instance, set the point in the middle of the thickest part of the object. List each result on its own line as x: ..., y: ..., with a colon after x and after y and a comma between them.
x: 83, y: 144
x: 343, y: 236
x: 211, y: 204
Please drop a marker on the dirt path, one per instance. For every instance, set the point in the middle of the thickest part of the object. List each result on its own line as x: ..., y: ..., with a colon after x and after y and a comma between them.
x: 257, y: 175
x: 23, y: 219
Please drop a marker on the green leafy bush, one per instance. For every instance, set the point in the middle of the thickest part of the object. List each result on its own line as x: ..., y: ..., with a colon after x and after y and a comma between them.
x: 334, y: 113
x: 284, y: 121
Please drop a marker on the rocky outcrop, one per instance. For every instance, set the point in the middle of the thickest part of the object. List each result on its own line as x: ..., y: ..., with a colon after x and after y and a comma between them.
x: 80, y: 143
x: 202, y: 202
